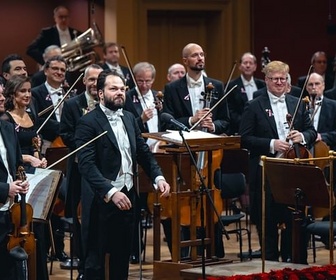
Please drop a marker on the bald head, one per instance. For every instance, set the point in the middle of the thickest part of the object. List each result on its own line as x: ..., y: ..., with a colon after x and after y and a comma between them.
x: 175, y: 72
x: 315, y: 84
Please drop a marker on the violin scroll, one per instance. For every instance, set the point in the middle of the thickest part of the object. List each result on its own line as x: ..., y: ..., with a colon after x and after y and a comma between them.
x: 158, y: 100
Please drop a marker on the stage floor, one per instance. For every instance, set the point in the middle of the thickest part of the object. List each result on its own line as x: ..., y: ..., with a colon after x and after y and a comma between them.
x: 231, y: 250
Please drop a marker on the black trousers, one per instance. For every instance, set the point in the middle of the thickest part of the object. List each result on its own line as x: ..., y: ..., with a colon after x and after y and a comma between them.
x: 113, y: 235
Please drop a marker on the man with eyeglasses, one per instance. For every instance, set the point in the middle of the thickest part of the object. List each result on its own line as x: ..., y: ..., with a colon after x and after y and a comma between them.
x: 58, y: 35
x: 319, y: 62
x: 264, y: 130
x: 143, y: 102
x: 246, y: 86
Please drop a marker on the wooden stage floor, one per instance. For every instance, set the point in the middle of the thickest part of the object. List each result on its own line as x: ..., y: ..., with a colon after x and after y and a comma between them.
x: 231, y: 250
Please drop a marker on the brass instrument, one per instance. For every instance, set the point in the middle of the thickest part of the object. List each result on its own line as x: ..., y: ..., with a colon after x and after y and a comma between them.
x: 79, y: 52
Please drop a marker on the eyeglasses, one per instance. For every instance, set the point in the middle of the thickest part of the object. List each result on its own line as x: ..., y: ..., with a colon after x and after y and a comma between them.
x: 115, y: 89
x: 277, y: 79
x: 142, y: 82
x: 56, y: 69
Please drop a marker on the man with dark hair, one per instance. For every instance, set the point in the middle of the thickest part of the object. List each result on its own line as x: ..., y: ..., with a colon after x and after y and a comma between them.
x: 13, y: 64
x: 111, y: 61
x: 59, y: 34
x: 108, y: 166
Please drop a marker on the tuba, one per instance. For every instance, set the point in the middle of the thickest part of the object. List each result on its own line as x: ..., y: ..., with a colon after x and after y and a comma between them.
x: 79, y: 52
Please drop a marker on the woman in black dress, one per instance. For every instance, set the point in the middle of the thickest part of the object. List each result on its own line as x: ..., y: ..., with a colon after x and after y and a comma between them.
x: 18, y: 96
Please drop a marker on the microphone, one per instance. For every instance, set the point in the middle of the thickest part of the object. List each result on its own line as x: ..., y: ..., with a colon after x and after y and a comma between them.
x: 168, y: 118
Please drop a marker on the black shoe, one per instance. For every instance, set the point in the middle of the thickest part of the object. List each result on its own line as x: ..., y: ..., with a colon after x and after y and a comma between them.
x: 80, y: 276
x: 134, y: 259
x: 62, y: 256
x: 67, y: 264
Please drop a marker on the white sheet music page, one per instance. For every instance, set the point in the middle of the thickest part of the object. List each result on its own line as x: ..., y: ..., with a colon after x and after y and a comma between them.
x: 174, y: 135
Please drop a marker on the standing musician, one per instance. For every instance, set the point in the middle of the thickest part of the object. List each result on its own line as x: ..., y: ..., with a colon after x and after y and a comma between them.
x: 183, y: 97
x: 17, y: 93
x: 246, y: 85
x: 74, y: 108
x: 108, y: 167
x: 49, y: 94
x: 145, y: 105
x: 58, y: 35
x: 11, y: 159
x: 264, y: 131
x: 183, y: 100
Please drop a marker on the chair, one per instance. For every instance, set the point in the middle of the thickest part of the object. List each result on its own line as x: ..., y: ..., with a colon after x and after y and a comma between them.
x: 231, y: 180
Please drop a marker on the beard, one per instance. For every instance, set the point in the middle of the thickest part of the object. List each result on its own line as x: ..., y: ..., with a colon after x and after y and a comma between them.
x: 112, y: 105
x: 197, y: 67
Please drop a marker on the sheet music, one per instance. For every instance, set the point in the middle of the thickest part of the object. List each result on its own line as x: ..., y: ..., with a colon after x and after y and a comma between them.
x: 194, y: 134
x: 42, y: 189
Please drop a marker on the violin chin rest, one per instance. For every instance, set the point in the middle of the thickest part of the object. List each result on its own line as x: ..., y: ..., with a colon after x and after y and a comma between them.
x: 18, y: 253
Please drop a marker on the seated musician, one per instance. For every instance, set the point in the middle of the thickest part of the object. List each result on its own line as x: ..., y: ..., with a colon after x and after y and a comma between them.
x: 183, y: 100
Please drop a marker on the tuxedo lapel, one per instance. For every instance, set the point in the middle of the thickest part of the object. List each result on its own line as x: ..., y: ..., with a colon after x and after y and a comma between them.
x: 183, y: 95
x: 8, y: 141
x: 265, y: 104
x: 105, y: 125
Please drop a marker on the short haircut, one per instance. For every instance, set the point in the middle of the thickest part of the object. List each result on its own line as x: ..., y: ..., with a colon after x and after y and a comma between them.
x: 5, y: 68
x: 104, y: 74
x: 144, y: 66
x: 275, y: 66
x: 54, y: 58
x: 108, y: 45
x: 91, y: 66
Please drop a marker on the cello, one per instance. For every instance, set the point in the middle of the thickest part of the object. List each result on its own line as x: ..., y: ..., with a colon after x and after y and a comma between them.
x: 21, y: 244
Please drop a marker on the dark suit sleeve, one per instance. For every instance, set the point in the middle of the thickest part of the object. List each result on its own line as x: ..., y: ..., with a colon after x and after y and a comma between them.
x: 37, y: 47
x: 68, y: 125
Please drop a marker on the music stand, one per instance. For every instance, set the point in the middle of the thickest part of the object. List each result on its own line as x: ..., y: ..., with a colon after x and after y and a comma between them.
x: 297, y: 184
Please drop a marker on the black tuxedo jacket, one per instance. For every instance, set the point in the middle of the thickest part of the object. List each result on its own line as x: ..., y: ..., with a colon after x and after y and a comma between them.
x: 47, y: 37
x: 73, y: 109
x: 127, y: 75
x: 177, y: 103
x: 327, y: 122
x: 99, y: 162
x: 237, y: 100
x: 328, y: 83
x: 330, y: 93
x: 133, y: 105
x: 258, y: 126
x: 42, y: 101
x: 14, y: 160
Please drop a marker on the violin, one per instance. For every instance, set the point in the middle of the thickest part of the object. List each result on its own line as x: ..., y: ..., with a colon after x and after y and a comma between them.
x: 21, y: 215
x: 297, y: 150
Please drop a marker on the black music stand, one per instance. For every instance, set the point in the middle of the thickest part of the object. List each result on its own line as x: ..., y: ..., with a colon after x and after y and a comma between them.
x: 299, y: 185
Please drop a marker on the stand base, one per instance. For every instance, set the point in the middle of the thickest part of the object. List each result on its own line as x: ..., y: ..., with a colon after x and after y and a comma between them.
x: 168, y: 270
x: 254, y: 255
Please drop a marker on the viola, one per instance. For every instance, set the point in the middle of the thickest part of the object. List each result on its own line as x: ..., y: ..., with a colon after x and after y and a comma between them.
x: 21, y: 215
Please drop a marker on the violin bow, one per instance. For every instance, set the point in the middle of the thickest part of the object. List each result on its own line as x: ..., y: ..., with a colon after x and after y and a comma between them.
x: 300, y: 98
x: 58, y: 104
x: 123, y: 50
x: 220, y: 100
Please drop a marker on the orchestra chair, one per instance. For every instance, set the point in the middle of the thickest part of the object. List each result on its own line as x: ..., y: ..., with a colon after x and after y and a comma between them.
x: 231, y: 180
x: 318, y: 229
